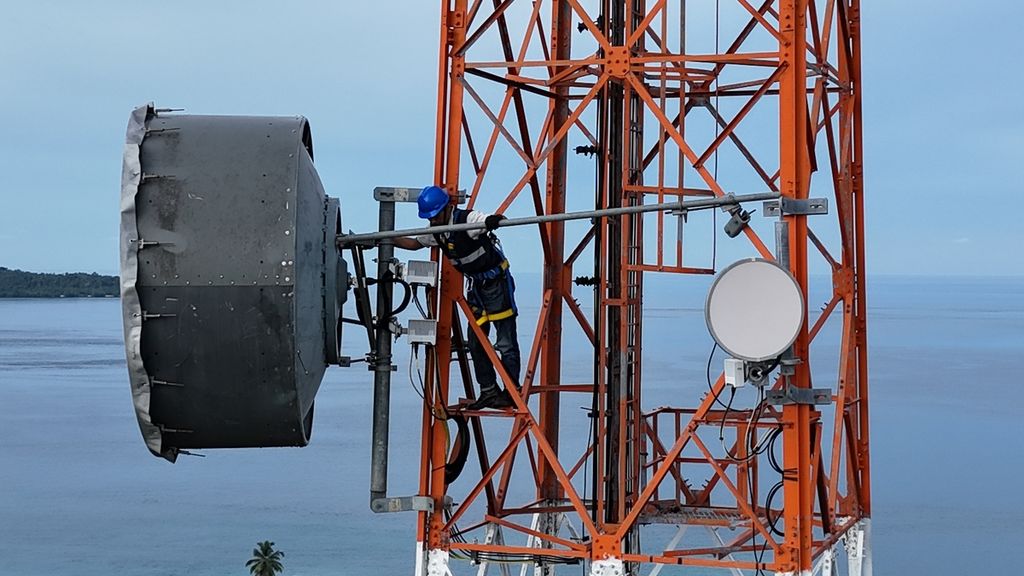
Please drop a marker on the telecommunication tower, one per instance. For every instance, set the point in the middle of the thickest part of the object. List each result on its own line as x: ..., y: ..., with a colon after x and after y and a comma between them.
x: 618, y: 80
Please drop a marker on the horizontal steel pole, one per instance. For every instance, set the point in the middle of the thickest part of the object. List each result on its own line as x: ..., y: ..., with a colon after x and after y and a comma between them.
x: 680, y: 206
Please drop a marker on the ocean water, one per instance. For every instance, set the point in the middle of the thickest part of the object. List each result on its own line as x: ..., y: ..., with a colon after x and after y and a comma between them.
x: 80, y: 495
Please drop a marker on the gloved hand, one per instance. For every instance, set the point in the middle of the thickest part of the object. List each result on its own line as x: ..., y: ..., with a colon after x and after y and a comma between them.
x: 491, y: 222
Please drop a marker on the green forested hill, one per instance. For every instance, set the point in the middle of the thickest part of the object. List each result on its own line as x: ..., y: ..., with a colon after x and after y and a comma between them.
x: 19, y: 284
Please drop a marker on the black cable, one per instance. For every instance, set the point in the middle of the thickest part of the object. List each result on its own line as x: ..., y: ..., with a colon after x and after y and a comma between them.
x: 406, y: 298
x: 455, y: 536
x: 759, y: 558
x: 593, y: 453
x: 771, y: 452
x: 773, y: 460
x: 756, y: 412
x: 755, y: 417
x: 501, y: 558
x: 751, y: 426
x: 768, y: 508
x: 586, y: 485
x: 758, y: 448
x: 721, y: 425
x: 414, y: 357
x: 594, y: 430
x: 419, y: 306
x: 711, y: 388
x: 460, y: 450
x: 382, y: 322
x: 761, y: 445
x: 767, y: 371
x: 714, y: 213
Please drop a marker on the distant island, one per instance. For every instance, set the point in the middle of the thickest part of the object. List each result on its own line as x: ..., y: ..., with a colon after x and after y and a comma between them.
x: 20, y: 284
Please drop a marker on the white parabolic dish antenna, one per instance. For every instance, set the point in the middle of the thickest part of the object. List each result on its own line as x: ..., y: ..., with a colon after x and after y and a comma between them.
x: 754, y: 310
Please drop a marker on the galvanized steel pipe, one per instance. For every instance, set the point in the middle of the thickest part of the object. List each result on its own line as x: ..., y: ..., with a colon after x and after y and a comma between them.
x: 680, y: 206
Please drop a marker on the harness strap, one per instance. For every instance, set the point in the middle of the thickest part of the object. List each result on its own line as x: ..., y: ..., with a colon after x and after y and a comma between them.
x: 470, y: 258
x: 492, y: 273
x: 486, y: 317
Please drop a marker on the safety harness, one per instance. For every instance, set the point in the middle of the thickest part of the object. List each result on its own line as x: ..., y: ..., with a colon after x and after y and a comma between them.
x: 478, y: 258
x: 481, y: 260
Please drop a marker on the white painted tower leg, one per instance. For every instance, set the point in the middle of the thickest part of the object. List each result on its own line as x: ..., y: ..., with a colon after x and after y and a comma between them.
x: 437, y: 563
x: 421, y: 559
x: 827, y: 563
x: 858, y: 548
x: 608, y: 567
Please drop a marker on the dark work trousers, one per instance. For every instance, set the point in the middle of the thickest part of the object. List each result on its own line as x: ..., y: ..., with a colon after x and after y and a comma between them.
x: 494, y: 297
x: 507, y: 346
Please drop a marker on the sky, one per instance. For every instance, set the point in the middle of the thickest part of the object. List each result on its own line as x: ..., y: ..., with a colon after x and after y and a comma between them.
x: 943, y: 147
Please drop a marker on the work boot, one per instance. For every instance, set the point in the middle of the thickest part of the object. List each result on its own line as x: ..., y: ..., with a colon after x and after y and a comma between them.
x: 490, y: 398
x: 504, y: 401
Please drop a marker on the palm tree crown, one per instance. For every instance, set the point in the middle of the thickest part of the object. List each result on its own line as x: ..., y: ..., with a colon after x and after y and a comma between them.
x: 265, y: 560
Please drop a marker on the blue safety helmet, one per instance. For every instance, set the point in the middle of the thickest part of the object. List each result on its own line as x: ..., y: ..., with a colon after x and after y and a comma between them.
x: 431, y: 201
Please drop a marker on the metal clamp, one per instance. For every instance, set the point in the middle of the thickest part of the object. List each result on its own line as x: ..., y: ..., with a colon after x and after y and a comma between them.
x: 794, y: 395
x: 395, y: 327
x: 404, y: 194
x: 796, y: 207
x: 403, y: 504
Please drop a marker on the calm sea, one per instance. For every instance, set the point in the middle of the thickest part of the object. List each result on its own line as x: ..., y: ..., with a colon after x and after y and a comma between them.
x: 80, y: 495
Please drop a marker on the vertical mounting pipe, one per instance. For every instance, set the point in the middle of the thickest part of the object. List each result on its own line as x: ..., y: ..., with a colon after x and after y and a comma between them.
x: 382, y: 359
x: 782, y: 243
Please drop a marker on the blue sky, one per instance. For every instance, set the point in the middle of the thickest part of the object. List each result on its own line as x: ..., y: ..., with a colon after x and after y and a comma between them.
x: 944, y: 134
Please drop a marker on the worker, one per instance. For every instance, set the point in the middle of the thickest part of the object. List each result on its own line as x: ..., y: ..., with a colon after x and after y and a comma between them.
x: 491, y: 294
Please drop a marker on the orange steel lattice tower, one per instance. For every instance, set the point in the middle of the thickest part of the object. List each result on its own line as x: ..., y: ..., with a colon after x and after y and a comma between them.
x: 625, y: 103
